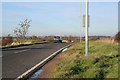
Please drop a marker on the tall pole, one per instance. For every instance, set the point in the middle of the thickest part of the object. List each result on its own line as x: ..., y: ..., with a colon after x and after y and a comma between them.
x: 80, y: 22
x: 86, y: 30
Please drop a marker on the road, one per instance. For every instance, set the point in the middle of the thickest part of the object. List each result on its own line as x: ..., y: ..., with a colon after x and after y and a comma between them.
x: 18, y: 60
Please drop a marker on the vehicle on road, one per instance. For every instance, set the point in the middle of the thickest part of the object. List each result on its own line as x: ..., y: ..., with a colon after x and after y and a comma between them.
x: 57, y: 39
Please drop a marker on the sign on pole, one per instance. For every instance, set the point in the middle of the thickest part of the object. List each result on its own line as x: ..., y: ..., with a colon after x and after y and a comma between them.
x: 84, y: 20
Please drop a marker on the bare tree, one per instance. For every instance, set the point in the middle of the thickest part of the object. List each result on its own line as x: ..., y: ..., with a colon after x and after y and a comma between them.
x: 22, y: 30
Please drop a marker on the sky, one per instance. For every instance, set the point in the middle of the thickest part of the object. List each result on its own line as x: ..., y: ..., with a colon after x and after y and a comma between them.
x: 60, y: 18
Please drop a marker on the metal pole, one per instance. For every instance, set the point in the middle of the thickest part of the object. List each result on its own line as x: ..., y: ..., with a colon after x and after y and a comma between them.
x: 81, y: 23
x: 86, y: 31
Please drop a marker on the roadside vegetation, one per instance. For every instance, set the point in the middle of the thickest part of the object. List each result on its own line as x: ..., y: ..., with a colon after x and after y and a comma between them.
x: 117, y: 37
x: 10, y: 42
x: 20, y: 45
x: 7, y: 40
x: 102, y: 61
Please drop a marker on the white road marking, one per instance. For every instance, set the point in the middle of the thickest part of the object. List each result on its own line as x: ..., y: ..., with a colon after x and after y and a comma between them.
x: 26, y: 50
x: 40, y: 63
x: 22, y: 51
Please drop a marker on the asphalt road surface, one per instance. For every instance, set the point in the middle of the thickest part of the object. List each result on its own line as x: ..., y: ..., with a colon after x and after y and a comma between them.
x: 16, y: 61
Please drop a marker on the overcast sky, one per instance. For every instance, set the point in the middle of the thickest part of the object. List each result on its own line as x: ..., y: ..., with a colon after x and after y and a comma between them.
x: 60, y: 18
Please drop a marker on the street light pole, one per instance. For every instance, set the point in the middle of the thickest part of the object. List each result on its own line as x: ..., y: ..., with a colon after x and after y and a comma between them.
x: 86, y: 30
x: 80, y: 22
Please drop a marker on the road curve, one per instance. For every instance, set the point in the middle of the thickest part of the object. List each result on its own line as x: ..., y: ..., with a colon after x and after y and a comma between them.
x: 18, y: 60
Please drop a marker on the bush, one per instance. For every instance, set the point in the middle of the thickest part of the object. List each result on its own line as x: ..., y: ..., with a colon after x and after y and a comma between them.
x: 117, y: 37
x: 7, y: 40
x: 34, y: 37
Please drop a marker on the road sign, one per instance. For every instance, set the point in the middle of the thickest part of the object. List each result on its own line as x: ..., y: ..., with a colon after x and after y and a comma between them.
x: 84, y: 20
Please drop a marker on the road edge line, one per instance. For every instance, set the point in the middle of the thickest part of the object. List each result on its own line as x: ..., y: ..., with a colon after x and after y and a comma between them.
x: 32, y: 70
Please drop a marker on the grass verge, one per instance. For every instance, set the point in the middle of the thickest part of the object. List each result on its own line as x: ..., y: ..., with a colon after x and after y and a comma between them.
x: 102, y: 62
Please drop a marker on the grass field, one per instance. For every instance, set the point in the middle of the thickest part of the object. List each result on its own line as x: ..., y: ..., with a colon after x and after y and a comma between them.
x: 102, y: 62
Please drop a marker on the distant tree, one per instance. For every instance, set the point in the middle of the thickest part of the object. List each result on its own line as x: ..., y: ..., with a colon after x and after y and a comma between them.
x: 34, y: 37
x: 22, y: 30
x: 117, y: 37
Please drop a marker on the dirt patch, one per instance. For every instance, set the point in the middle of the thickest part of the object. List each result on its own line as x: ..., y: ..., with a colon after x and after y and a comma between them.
x: 50, y: 66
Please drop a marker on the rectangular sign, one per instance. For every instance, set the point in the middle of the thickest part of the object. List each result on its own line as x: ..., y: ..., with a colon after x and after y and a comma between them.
x: 84, y: 21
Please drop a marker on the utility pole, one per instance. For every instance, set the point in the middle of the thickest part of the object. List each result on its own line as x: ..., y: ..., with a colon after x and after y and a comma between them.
x: 80, y: 22
x: 86, y: 29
